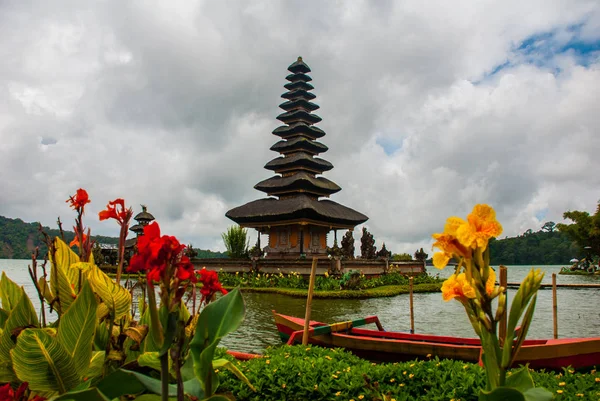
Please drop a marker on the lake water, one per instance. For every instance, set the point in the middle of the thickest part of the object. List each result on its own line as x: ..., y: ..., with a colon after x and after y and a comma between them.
x: 578, y: 309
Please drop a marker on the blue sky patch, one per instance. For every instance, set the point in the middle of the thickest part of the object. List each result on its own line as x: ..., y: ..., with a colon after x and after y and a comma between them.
x: 541, y: 214
x: 389, y: 145
x: 541, y: 48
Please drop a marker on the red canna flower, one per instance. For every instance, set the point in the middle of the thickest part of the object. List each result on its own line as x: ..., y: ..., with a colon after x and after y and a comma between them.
x: 79, y: 200
x: 210, y: 284
x: 156, y: 254
x: 7, y: 393
x: 116, y: 210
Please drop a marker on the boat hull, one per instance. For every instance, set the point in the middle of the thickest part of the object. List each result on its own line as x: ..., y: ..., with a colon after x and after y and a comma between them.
x: 387, y: 346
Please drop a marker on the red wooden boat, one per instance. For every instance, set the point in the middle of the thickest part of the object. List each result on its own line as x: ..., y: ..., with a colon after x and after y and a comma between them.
x: 381, y: 345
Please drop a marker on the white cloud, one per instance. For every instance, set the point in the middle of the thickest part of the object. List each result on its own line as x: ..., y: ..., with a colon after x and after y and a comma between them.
x: 172, y: 105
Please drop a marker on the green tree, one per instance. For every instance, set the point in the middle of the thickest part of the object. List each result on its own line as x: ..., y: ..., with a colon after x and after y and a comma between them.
x: 421, y: 255
x: 549, y: 226
x: 236, y: 242
x: 348, y: 245
x: 402, y: 257
x: 585, y: 229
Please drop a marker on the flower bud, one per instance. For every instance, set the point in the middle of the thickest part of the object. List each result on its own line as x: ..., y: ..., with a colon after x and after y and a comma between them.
x: 501, y: 306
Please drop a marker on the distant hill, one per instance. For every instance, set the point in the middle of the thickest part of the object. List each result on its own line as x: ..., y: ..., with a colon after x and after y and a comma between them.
x: 534, y: 248
x: 18, y: 239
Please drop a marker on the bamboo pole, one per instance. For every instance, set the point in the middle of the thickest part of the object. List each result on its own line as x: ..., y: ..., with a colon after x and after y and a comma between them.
x: 311, y: 288
x: 503, y: 282
x: 554, y: 306
x: 412, y: 313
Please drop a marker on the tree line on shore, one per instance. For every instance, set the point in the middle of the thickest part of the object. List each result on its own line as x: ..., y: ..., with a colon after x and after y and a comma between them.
x: 552, y: 244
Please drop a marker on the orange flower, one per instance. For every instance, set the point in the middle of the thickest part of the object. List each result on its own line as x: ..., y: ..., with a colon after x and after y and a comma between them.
x: 457, y: 287
x: 448, y: 243
x: 482, y: 225
x: 116, y: 210
x: 75, y: 241
x: 79, y: 200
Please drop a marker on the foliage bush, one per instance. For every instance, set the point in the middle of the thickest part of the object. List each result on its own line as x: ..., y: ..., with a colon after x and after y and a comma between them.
x: 236, y: 242
x: 314, y: 373
x: 294, y: 280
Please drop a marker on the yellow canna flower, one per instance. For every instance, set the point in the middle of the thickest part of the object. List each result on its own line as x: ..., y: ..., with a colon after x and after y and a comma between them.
x: 490, y: 284
x: 450, y: 247
x: 457, y: 287
x: 482, y: 225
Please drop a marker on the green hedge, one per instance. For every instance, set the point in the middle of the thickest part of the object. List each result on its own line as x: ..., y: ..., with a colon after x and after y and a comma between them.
x: 314, y: 373
x: 385, y: 291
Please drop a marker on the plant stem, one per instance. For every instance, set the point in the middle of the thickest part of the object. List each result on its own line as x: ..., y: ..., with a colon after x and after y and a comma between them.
x: 164, y: 376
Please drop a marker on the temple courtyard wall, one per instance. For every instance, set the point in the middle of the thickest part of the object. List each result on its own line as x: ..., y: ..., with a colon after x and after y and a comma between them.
x: 303, y: 266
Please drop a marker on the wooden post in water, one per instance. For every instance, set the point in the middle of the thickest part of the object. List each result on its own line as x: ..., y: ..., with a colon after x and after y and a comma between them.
x: 311, y: 288
x: 554, y: 306
x: 412, y: 313
x: 502, y: 328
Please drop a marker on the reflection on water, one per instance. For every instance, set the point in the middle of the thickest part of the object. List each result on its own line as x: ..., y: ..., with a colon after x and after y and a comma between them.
x: 578, y: 312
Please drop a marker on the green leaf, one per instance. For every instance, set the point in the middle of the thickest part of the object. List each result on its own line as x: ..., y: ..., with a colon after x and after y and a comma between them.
x: 224, y: 363
x: 3, y: 317
x: 116, y: 297
x: 501, y: 394
x: 10, y: 293
x: 119, y: 383
x: 43, y: 362
x: 22, y: 316
x: 96, y: 365
x: 216, y: 320
x: 520, y: 379
x: 77, y: 328
x: 91, y: 394
x: 538, y: 394
x: 150, y: 360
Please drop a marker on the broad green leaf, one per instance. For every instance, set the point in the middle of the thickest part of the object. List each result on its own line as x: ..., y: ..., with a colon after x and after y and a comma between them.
x: 22, y: 316
x: 520, y: 379
x: 150, y: 360
x: 3, y: 318
x: 65, y: 258
x: 501, y: 394
x: 7, y: 374
x: 96, y: 365
x: 77, y: 328
x: 64, y: 290
x: 538, y: 394
x: 101, y: 336
x: 43, y: 362
x: 10, y: 292
x: 224, y: 363
x: 116, y: 297
x: 44, y: 288
x: 216, y: 320
x: 91, y: 394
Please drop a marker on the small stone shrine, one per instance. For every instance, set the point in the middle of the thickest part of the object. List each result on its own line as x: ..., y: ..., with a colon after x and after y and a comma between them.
x: 295, y: 218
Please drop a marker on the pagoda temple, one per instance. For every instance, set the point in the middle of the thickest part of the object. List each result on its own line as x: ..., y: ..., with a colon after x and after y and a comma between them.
x: 295, y: 218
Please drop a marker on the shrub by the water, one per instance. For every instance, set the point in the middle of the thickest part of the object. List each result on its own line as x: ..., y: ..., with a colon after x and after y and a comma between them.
x: 322, y: 283
x: 314, y: 373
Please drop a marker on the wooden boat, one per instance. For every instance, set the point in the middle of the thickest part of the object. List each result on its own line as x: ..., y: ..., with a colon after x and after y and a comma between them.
x: 381, y: 345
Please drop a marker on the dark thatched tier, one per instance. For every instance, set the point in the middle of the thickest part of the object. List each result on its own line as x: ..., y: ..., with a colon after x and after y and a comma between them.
x: 301, y: 207
x: 299, y: 67
x: 299, y: 144
x: 298, y: 104
x: 298, y: 85
x: 298, y: 78
x: 299, y: 94
x: 287, y: 131
x: 299, y: 161
x: 298, y: 182
x: 298, y: 116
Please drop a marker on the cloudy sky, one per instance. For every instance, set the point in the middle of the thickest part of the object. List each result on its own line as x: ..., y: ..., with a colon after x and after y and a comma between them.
x: 428, y: 108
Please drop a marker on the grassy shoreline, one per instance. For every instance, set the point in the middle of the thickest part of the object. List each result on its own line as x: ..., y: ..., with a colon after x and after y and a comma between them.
x: 378, y: 292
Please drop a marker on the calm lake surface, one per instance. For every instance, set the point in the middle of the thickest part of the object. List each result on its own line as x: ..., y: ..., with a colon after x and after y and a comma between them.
x: 578, y: 309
